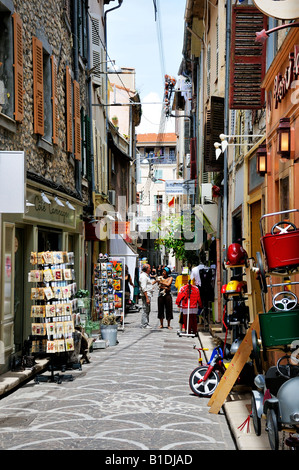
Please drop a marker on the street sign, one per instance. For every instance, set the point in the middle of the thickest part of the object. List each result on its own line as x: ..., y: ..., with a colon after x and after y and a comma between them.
x: 176, y: 187
x: 12, y: 182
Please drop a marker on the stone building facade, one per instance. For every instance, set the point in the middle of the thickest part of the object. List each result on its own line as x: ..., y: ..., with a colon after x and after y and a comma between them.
x: 45, y: 113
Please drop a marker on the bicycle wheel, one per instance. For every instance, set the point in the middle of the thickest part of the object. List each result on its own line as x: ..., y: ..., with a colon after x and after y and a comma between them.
x: 256, y: 420
x: 272, y: 428
x: 203, y: 389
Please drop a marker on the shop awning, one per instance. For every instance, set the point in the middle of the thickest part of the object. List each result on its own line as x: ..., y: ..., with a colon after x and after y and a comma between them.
x: 207, y: 215
x: 119, y: 247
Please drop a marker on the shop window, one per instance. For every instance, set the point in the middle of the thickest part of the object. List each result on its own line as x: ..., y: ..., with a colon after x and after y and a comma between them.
x: 49, y: 240
x: 11, y: 69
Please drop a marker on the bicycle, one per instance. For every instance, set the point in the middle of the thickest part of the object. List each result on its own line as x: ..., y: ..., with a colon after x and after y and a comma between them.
x: 204, y: 379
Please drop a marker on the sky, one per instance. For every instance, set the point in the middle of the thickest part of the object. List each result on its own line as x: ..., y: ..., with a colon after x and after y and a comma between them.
x: 152, y: 48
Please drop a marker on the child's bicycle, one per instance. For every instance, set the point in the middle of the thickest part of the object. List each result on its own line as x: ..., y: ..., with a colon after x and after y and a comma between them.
x: 204, y: 379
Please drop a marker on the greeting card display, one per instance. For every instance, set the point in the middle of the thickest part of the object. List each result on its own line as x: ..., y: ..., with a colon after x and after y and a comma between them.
x: 108, y: 288
x: 54, y: 306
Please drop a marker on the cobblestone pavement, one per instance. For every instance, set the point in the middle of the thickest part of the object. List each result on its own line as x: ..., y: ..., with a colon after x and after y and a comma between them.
x: 132, y: 396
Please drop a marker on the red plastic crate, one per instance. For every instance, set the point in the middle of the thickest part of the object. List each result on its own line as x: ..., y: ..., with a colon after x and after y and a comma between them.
x: 281, y: 250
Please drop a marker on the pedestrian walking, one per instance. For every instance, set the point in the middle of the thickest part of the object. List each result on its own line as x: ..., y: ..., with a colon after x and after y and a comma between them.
x: 188, y: 300
x: 165, y: 309
x: 128, y: 283
x: 146, y: 290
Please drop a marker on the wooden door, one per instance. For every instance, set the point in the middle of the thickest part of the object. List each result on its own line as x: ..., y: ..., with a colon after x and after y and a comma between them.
x: 255, y: 215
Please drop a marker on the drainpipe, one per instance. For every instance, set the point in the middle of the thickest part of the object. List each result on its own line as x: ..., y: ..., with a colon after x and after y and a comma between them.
x: 76, y: 77
x: 90, y: 111
x: 226, y: 130
x: 107, y: 120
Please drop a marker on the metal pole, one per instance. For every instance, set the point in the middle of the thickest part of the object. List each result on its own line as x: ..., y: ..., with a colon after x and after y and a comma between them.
x: 226, y: 128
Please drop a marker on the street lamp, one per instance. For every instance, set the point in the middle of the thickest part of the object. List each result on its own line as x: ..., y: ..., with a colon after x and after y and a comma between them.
x: 284, y: 138
x: 261, y: 160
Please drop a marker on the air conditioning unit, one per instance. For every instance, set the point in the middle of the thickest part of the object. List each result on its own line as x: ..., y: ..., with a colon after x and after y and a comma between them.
x: 111, y: 196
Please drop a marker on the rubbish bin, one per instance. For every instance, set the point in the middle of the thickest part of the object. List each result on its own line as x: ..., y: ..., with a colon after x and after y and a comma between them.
x: 109, y: 333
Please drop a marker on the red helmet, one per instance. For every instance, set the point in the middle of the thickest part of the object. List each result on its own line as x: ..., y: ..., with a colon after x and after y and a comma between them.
x: 236, y: 254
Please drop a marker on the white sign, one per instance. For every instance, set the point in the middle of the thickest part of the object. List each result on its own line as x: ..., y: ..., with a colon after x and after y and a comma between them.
x: 179, y: 187
x: 144, y: 223
x: 281, y: 9
x: 12, y: 182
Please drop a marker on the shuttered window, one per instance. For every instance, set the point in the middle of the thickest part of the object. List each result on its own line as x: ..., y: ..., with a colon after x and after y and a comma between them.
x: 193, y: 168
x: 247, y: 60
x: 214, y: 126
x: 38, y: 89
x: 54, y: 100
x: 69, y: 111
x: 18, y: 68
x: 77, y: 121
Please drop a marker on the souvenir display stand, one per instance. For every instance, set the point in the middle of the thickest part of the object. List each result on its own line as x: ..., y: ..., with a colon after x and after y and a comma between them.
x: 53, y: 311
x: 109, y: 282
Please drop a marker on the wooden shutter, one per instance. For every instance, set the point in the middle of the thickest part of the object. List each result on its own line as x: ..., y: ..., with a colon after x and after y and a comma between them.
x: 18, y: 67
x: 87, y: 127
x: 247, y: 60
x: 69, y: 111
x: 193, y: 168
x: 38, y: 86
x: 77, y: 121
x: 54, y: 100
x: 213, y: 128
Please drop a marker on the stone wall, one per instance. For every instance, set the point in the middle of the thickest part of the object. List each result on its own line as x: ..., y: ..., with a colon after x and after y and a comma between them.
x: 48, y: 21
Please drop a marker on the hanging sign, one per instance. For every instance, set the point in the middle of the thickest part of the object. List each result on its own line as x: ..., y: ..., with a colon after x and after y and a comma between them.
x: 280, y: 9
x: 282, y: 83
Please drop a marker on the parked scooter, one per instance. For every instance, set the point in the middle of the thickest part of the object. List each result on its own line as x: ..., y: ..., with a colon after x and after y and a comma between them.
x: 277, y: 399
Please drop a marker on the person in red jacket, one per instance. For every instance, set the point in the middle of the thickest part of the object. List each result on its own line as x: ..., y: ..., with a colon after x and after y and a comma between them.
x: 189, y: 301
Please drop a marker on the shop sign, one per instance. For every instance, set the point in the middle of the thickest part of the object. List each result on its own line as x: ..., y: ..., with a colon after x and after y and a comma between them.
x: 51, y: 213
x: 282, y: 83
x: 284, y: 10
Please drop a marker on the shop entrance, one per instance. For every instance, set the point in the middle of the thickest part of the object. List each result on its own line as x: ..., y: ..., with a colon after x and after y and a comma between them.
x: 49, y: 239
x: 255, y: 215
x: 19, y: 290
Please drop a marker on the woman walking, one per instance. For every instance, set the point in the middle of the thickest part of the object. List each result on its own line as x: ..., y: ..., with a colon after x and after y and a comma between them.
x: 165, y: 299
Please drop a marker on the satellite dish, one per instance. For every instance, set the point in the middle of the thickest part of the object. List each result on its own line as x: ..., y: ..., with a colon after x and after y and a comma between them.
x: 280, y: 9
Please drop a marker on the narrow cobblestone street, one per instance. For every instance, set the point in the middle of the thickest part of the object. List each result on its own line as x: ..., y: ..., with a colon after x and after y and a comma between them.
x: 132, y: 396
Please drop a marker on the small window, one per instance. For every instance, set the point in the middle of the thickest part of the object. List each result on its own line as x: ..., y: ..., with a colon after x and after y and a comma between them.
x: 11, y: 69
x: 158, y: 202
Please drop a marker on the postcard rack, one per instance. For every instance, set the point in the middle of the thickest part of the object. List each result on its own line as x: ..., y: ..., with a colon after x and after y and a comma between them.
x: 53, y: 311
x: 109, y: 287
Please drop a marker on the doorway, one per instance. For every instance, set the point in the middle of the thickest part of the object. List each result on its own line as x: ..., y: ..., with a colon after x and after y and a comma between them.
x: 255, y: 215
x: 19, y: 290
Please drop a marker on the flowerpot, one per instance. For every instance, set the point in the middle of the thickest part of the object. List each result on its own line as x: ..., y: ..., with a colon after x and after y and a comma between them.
x: 109, y: 333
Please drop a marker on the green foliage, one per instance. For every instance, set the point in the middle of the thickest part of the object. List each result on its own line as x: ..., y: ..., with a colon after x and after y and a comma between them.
x: 171, y: 230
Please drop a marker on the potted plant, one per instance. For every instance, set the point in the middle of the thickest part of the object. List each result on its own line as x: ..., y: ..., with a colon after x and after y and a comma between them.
x: 114, y: 120
x: 83, y: 298
x: 108, y: 327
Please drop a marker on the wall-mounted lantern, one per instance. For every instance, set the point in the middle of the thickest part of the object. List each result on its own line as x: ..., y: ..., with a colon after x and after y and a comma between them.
x: 261, y: 160
x: 284, y: 138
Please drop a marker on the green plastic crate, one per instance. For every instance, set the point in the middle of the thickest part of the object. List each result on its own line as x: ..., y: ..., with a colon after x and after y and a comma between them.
x: 279, y: 328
